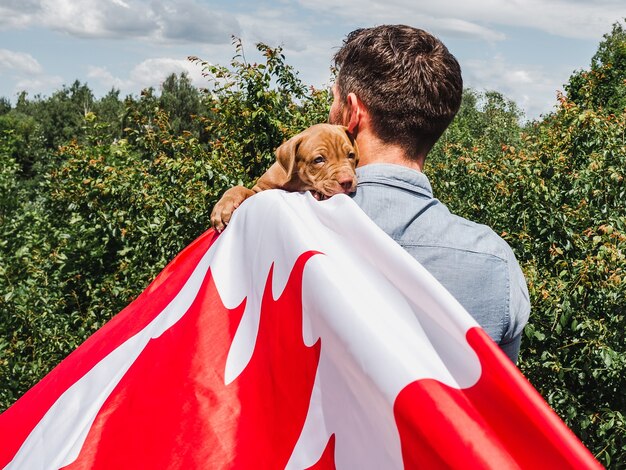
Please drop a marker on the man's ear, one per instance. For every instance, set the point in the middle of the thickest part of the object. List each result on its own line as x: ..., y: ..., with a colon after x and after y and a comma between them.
x: 286, y: 153
x: 355, y: 110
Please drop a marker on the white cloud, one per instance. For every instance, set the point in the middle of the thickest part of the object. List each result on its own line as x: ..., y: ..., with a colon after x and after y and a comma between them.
x: 100, y: 19
x: 185, y: 20
x: 149, y: 73
x: 197, y: 21
x: 278, y: 27
x: 160, y: 20
x: 18, y: 62
x: 462, y: 28
x: 437, y: 17
x: 532, y: 88
x: 106, y: 79
x: 39, y: 85
x: 18, y: 13
x: 310, y: 32
x: 566, y: 18
x: 25, y: 73
x: 153, y: 72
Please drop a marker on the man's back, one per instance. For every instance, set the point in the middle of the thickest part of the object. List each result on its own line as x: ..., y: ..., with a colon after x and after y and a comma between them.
x: 470, y: 260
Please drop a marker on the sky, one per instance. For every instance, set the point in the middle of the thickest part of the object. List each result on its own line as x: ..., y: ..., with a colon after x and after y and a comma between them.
x: 525, y: 49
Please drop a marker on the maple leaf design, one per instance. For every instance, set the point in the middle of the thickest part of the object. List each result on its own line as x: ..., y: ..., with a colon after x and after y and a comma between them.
x: 176, y: 388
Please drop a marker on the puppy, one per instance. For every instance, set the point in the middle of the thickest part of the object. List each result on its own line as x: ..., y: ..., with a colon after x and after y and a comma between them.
x: 321, y: 159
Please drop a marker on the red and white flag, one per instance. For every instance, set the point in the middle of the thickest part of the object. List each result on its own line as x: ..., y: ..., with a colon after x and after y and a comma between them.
x: 301, y: 337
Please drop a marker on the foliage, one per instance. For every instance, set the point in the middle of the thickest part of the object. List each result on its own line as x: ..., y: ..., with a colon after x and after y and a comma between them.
x: 467, y: 150
x: 110, y: 111
x: 21, y: 139
x: 60, y: 116
x: 254, y: 107
x: 556, y: 193
x: 5, y: 105
x: 182, y: 100
x: 97, y: 195
x: 86, y: 234
x: 578, y: 240
x: 9, y: 170
x: 604, y: 85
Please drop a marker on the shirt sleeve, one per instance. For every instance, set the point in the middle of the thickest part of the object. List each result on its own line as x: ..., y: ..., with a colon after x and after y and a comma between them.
x: 519, y: 303
x: 511, y: 349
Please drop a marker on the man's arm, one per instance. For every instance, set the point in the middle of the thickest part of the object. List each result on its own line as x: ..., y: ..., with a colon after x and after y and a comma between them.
x: 519, y: 309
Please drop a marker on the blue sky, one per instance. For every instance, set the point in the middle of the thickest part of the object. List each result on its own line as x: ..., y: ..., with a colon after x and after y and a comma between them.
x: 525, y: 49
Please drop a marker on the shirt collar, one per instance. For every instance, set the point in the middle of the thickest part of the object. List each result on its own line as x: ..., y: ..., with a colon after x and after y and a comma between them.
x: 395, y: 175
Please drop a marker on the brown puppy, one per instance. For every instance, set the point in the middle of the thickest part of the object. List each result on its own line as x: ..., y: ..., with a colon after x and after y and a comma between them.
x: 321, y: 159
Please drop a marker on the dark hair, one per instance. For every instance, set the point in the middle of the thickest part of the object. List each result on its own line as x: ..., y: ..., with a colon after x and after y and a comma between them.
x: 406, y: 78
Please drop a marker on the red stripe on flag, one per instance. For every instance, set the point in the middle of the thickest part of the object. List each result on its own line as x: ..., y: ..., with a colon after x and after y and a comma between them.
x: 500, y: 422
x: 18, y: 421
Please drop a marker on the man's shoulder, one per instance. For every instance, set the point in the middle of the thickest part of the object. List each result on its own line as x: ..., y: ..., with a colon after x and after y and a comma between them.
x: 470, y: 259
x: 401, y: 202
x: 474, y: 236
x: 437, y: 226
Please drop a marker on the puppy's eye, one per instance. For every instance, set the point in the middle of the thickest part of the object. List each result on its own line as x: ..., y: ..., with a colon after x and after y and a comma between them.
x: 319, y: 159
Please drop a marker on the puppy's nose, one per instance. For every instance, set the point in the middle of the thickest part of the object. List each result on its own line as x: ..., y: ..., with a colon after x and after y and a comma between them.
x: 347, y: 184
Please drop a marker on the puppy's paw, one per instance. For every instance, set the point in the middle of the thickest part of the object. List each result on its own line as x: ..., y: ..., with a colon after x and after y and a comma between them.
x: 223, y: 210
x: 221, y: 214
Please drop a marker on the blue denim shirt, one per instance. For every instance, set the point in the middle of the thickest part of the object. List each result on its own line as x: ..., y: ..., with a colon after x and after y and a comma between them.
x: 476, y: 266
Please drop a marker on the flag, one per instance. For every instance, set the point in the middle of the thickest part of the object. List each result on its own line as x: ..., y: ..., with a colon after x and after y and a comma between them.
x: 301, y: 337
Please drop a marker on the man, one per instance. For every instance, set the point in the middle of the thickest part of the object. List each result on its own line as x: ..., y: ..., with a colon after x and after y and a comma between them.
x: 397, y: 89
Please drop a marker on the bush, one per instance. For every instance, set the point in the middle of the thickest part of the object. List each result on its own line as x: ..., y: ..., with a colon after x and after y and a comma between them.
x: 84, y: 227
x: 105, y: 216
x: 558, y: 198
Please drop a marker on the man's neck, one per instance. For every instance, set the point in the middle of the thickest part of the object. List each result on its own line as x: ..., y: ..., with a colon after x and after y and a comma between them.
x: 374, y: 151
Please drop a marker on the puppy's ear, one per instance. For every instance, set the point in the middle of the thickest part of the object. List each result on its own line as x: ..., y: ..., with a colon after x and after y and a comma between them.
x: 352, y: 139
x: 350, y: 135
x: 286, y: 153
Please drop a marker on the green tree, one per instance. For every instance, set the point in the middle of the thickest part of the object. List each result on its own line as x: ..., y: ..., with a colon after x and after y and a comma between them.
x: 108, y: 216
x: 5, y: 105
x: 9, y: 170
x: 110, y: 110
x: 252, y: 108
x: 486, y: 123
x: 22, y: 140
x: 181, y: 100
x: 604, y: 84
x: 555, y: 191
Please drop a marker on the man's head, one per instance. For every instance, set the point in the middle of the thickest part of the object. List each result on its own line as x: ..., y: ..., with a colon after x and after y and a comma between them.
x: 407, y: 80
